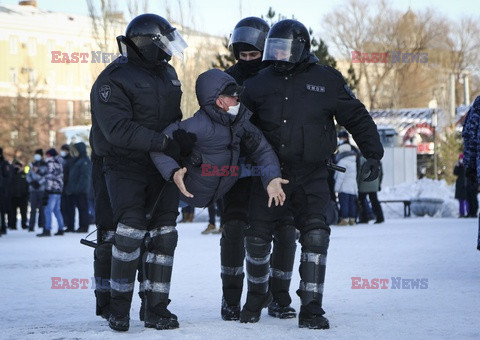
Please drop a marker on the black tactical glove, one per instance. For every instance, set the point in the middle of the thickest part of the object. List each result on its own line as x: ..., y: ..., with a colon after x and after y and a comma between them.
x: 185, y: 140
x: 172, y: 149
x: 370, y: 169
x: 471, y: 174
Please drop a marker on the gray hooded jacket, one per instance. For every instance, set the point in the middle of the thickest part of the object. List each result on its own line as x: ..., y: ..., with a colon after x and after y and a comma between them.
x: 219, y: 136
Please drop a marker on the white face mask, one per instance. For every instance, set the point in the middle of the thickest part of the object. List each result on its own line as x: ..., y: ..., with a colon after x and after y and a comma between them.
x: 37, y: 157
x: 63, y: 153
x: 233, y: 110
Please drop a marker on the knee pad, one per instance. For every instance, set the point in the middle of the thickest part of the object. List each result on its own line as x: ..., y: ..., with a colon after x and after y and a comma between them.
x: 315, y: 241
x: 233, y: 231
x: 128, y: 239
x: 103, y: 252
x: 164, y: 240
x: 257, y: 247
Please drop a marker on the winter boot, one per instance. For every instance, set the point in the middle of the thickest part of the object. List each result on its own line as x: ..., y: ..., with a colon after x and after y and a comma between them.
x: 281, y: 312
x: 351, y: 221
x: 44, y: 233
x: 59, y: 233
x: 308, y: 319
x: 209, y: 229
x: 379, y: 220
x: 120, y: 324
x: 343, y: 222
x: 160, y: 317
x: 252, y: 309
x: 230, y: 313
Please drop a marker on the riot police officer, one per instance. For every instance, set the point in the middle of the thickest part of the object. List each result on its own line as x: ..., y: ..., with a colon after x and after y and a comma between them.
x: 294, y: 101
x: 248, y: 41
x: 133, y: 100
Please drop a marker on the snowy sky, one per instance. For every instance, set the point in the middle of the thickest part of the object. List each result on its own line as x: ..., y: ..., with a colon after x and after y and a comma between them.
x: 218, y: 17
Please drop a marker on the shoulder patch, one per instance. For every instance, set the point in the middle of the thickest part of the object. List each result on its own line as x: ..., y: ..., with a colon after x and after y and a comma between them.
x: 315, y: 88
x: 105, y: 92
x: 349, y: 91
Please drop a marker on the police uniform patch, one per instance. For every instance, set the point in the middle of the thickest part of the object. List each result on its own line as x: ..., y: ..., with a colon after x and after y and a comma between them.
x: 315, y: 88
x: 349, y: 91
x: 105, y: 93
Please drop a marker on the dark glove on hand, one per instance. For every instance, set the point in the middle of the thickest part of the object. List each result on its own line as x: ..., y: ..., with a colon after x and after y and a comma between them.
x: 370, y: 169
x: 471, y: 174
x: 173, y: 150
x: 186, y: 141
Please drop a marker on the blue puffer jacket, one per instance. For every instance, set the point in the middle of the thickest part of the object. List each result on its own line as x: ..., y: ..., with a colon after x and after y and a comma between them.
x: 219, y: 135
x: 471, y: 138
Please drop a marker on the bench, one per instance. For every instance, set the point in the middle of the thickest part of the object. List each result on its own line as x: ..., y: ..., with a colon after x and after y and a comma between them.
x: 406, y: 205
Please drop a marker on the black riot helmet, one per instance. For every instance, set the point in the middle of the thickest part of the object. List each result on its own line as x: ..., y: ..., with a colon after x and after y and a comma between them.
x: 249, y: 34
x: 287, y: 44
x: 154, y: 38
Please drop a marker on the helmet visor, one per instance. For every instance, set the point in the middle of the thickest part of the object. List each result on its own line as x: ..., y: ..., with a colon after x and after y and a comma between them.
x: 171, y: 43
x: 277, y: 49
x: 248, y: 35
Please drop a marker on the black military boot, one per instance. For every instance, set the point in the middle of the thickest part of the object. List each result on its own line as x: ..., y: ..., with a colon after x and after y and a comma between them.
x: 252, y: 309
x: 281, y: 312
x: 308, y: 319
x: 160, y: 317
x: 118, y: 323
x: 230, y: 313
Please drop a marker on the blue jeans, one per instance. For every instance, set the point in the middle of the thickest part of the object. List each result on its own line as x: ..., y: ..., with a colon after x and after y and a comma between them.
x: 53, y: 205
x: 348, y: 205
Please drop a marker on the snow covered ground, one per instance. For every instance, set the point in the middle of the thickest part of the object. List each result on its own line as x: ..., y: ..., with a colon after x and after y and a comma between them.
x: 441, y: 250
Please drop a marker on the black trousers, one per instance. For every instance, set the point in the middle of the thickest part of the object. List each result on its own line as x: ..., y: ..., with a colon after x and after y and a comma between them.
x: 235, y: 201
x: 376, y: 207
x: 308, y: 196
x: 22, y: 204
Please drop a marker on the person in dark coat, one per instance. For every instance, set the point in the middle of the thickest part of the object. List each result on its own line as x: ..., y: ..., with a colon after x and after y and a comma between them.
x: 78, y: 184
x: 294, y: 102
x: 371, y: 189
x: 132, y: 101
x: 471, y: 150
x: 36, y: 181
x: 221, y: 124
x: 67, y: 203
x: 460, y: 187
x: 4, y: 206
x: 247, y: 42
x: 18, y: 195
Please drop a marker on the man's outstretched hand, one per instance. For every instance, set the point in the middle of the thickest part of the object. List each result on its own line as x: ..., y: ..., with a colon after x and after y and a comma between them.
x: 275, y: 191
x: 178, y: 179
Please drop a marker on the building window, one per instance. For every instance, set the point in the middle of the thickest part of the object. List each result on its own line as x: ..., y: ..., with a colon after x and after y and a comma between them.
x: 32, y: 47
x: 13, y: 106
x: 52, y: 137
x: 51, y: 108
x: 13, y: 138
x: 32, y: 108
x: 13, y: 45
x: 13, y: 75
x: 70, y: 112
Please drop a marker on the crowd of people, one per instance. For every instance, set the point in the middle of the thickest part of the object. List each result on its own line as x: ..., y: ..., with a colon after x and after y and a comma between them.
x: 53, y: 183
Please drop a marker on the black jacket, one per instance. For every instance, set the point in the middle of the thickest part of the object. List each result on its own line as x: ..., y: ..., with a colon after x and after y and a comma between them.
x: 219, y: 136
x: 131, y: 104
x: 295, y: 112
x: 80, y: 172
